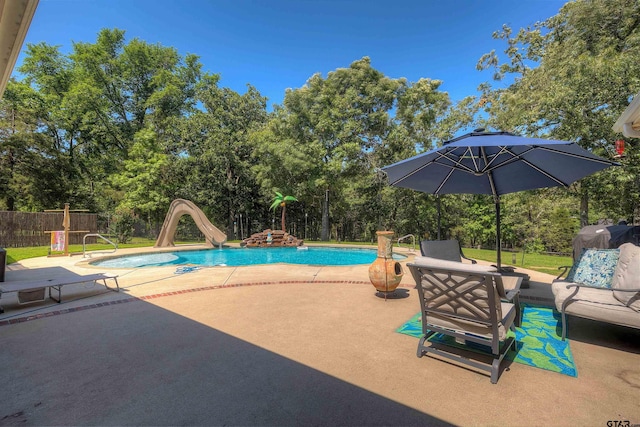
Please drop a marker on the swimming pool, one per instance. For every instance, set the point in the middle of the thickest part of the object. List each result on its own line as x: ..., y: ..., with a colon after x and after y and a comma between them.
x: 247, y: 256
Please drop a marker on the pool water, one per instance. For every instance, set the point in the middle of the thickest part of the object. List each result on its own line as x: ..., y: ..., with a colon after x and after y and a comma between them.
x: 247, y: 256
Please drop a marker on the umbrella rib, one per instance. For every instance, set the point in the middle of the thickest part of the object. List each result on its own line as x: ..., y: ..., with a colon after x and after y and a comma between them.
x: 473, y: 159
x: 579, y: 156
x: 487, y: 167
x: 548, y: 175
x: 468, y: 153
x: 455, y: 162
x: 455, y: 165
x: 518, y: 157
x: 411, y: 173
x: 444, y: 181
x: 514, y: 158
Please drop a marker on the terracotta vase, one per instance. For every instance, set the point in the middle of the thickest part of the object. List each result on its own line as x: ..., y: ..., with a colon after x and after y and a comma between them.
x: 385, y: 273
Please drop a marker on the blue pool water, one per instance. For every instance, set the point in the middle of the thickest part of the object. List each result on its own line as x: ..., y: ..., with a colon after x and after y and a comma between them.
x: 247, y: 256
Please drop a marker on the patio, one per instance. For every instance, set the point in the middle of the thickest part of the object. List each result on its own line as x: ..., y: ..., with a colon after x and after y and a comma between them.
x: 271, y: 346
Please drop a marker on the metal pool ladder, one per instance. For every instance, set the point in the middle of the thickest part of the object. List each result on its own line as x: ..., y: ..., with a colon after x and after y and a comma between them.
x: 413, y: 241
x: 84, y: 240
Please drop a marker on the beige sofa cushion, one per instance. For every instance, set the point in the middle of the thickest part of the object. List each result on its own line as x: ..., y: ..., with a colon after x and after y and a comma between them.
x: 627, y: 276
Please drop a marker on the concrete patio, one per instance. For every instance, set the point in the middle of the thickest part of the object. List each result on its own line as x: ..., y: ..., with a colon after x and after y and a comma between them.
x: 278, y: 345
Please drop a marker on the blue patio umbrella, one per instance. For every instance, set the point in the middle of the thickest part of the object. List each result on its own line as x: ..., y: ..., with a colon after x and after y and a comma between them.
x: 495, y: 163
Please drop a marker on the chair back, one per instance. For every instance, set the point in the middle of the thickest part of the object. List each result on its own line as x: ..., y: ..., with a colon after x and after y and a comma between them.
x: 469, y: 296
x: 448, y: 250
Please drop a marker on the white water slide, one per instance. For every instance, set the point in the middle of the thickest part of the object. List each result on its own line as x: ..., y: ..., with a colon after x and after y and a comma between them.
x: 180, y: 207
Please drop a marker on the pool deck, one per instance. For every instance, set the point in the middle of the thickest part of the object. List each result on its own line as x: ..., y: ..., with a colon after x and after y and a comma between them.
x: 277, y: 345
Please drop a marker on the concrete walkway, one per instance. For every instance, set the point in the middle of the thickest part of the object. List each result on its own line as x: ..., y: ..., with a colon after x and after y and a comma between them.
x: 277, y: 345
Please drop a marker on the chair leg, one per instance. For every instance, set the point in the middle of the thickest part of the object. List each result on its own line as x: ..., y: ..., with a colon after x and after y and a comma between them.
x: 420, y: 351
x: 518, y: 320
x: 563, y: 309
x: 495, y: 370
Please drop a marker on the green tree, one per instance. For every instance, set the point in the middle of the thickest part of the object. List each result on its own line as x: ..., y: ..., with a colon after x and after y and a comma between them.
x: 214, y: 151
x: 328, y: 138
x: 123, y: 88
x: 32, y: 171
x: 96, y: 100
x: 144, y: 180
x: 572, y: 76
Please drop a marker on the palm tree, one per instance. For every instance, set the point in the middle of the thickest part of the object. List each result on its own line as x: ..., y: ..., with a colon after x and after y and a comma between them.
x: 280, y: 200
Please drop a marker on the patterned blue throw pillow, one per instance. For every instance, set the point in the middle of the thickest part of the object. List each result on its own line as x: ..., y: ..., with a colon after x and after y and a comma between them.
x: 595, y: 267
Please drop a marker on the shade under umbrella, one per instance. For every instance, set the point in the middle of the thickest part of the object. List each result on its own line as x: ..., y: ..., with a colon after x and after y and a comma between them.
x: 495, y: 163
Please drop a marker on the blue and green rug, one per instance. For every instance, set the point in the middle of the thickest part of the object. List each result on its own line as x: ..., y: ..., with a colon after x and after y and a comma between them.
x: 537, y: 341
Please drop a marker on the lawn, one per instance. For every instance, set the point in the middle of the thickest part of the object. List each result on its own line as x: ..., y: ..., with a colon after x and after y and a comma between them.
x: 538, y: 262
x: 17, y: 254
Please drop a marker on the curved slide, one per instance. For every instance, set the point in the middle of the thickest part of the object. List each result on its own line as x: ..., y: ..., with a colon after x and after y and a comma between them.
x: 180, y: 207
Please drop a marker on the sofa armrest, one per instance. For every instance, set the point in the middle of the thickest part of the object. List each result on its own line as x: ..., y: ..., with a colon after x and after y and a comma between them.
x: 473, y: 261
x: 582, y: 285
x: 565, y: 269
x: 578, y: 286
x: 512, y: 294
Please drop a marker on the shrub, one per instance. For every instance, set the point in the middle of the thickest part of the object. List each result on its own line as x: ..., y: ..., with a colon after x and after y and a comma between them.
x: 535, y: 246
x: 122, y: 224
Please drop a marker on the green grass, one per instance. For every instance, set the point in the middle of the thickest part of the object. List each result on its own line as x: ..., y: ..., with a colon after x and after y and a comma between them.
x: 335, y: 242
x: 18, y: 254
x: 538, y: 262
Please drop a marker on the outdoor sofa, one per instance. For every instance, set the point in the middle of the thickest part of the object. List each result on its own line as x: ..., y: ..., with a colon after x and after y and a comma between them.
x: 602, y: 285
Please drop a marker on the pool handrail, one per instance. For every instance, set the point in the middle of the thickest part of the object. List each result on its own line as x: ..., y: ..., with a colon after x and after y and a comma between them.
x: 413, y: 239
x: 84, y: 240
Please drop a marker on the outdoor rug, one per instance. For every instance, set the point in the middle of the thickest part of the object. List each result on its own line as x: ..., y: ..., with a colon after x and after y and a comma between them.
x: 537, y: 341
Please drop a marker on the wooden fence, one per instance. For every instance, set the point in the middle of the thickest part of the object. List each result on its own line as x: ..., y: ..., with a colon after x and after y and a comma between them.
x: 20, y: 229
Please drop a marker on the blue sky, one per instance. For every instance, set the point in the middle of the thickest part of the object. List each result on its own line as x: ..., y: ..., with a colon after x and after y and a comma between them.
x: 279, y: 44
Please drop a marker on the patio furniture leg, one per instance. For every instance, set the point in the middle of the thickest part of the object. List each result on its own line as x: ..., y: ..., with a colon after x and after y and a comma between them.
x: 59, y: 289
x: 516, y: 302
x: 115, y: 279
x: 565, y: 303
x: 495, y: 369
x: 420, y: 351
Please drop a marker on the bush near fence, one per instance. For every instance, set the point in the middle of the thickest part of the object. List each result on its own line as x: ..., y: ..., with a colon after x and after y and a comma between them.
x: 22, y: 229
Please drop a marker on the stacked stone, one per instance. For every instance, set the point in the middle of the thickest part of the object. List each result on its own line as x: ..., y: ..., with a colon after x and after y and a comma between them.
x: 270, y: 237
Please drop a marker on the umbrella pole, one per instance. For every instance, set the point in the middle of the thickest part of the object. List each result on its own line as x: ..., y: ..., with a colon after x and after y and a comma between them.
x: 438, y: 206
x: 499, y: 261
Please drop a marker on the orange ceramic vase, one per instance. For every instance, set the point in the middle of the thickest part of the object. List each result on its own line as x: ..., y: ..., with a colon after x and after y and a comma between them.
x: 385, y: 273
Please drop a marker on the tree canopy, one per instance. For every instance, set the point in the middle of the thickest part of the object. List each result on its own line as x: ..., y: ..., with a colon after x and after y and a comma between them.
x: 573, y: 75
